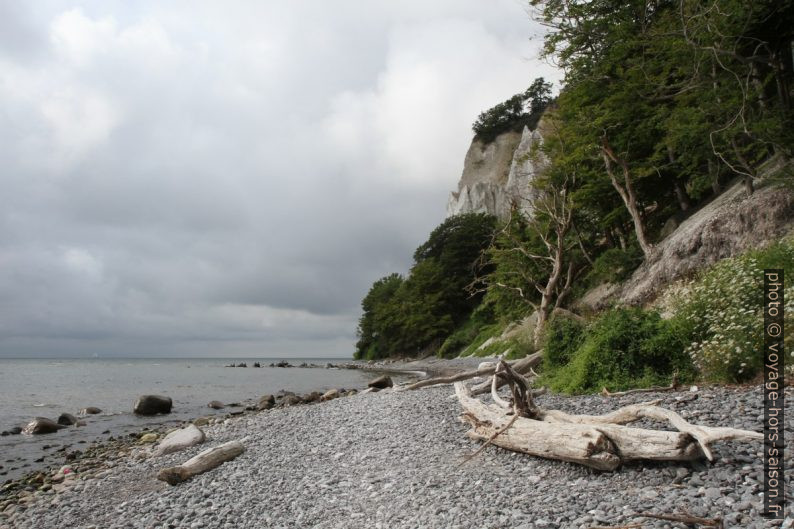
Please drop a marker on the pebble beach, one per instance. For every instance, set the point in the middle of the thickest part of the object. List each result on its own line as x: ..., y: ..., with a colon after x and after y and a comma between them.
x: 396, y: 459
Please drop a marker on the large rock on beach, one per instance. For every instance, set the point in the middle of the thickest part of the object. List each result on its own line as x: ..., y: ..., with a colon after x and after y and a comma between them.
x: 180, y: 439
x: 291, y: 400
x: 67, y: 419
x: 152, y: 405
x: 91, y: 410
x: 266, y: 402
x: 41, y: 425
x: 216, y: 405
x: 314, y: 396
x: 381, y: 382
x: 330, y: 394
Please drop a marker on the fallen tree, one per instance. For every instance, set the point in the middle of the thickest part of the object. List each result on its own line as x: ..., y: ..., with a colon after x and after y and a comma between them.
x: 206, y: 460
x: 524, y: 365
x: 597, y: 441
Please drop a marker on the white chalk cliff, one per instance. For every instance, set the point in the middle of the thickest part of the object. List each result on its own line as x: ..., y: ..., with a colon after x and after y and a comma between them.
x: 498, y: 175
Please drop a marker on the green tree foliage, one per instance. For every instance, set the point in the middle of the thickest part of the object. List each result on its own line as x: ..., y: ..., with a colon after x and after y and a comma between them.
x: 520, y: 110
x: 375, y: 318
x: 665, y: 101
x: 407, y: 317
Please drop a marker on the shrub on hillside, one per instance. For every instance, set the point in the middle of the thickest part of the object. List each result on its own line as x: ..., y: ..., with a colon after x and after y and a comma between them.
x: 615, y: 265
x: 624, y: 348
x: 721, y: 312
x: 562, y: 337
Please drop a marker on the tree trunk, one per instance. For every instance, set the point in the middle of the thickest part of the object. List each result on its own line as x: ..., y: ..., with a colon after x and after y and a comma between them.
x: 684, y: 202
x: 523, y: 365
x: 748, y: 185
x: 206, y: 460
x: 681, y: 195
x: 783, y: 62
x: 621, y: 236
x: 597, y: 441
x: 626, y: 191
x: 749, y: 174
x: 714, y: 173
x: 611, y: 243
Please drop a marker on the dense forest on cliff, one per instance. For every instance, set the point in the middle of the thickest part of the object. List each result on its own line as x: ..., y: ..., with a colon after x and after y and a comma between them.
x: 664, y: 106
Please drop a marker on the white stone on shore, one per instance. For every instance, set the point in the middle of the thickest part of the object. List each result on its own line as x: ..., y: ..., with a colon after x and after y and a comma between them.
x: 180, y: 439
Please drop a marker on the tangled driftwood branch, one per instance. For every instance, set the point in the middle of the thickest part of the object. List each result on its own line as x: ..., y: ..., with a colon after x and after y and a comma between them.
x: 523, y: 365
x: 598, y: 441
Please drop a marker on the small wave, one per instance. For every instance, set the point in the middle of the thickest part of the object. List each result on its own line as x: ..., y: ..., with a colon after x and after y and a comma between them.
x: 44, y: 405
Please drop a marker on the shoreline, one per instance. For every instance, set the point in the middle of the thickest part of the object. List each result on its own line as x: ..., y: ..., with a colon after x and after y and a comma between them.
x: 190, y: 389
x: 375, y: 452
x: 36, y: 475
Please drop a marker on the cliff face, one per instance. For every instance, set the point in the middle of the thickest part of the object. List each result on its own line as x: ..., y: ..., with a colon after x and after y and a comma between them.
x: 497, y: 175
x: 726, y: 227
x: 730, y: 225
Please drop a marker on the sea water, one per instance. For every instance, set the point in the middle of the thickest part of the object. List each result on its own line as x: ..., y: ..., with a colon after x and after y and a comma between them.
x: 47, y: 387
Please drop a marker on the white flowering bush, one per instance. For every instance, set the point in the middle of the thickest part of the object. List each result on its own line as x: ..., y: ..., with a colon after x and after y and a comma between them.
x: 722, y: 312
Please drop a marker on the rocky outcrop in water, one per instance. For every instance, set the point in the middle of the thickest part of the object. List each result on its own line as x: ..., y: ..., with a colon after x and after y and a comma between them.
x: 67, y: 419
x: 152, y: 405
x: 41, y: 425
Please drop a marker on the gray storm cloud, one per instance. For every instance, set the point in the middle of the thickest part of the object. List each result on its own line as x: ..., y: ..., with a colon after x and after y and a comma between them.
x: 198, y: 178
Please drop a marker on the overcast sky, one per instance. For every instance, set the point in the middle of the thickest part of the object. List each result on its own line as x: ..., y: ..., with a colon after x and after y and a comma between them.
x: 192, y: 178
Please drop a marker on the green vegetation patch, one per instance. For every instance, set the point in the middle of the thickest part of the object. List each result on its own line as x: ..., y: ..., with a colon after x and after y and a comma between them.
x: 624, y: 348
x: 562, y: 337
x: 720, y: 312
x: 414, y: 316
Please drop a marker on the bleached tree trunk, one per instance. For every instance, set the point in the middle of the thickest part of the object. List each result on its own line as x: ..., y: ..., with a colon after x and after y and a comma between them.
x: 206, y: 460
x: 626, y: 191
x: 524, y: 365
x: 598, y: 441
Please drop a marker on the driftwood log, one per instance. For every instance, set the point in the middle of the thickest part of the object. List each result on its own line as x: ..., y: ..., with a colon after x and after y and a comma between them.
x: 524, y: 365
x: 599, y: 441
x: 206, y: 460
